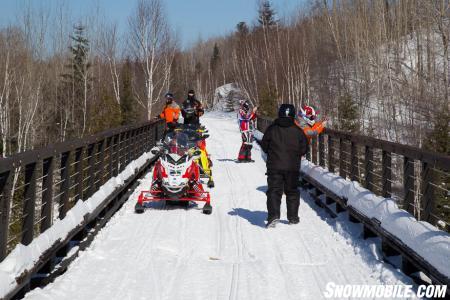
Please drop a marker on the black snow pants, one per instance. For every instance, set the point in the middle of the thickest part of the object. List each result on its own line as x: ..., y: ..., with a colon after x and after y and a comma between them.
x: 245, y: 153
x: 279, y: 182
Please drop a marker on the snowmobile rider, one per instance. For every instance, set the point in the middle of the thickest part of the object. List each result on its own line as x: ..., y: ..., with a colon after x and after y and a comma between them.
x: 312, y: 127
x: 245, y: 118
x: 192, y: 109
x: 284, y: 143
x: 171, y: 112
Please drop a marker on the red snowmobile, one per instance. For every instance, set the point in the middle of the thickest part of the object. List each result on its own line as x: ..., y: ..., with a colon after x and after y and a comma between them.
x: 176, y: 175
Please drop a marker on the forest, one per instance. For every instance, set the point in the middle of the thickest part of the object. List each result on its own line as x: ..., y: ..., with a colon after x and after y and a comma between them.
x: 376, y: 67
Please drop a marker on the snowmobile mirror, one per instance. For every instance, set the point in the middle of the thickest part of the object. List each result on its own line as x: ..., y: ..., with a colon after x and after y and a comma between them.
x: 205, y: 136
x: 155, y: 150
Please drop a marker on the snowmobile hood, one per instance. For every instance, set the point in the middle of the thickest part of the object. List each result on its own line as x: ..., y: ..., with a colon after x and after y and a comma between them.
x: 285, y: 122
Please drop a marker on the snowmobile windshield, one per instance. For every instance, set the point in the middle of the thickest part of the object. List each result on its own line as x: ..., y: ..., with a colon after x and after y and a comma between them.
x: 177, y: 142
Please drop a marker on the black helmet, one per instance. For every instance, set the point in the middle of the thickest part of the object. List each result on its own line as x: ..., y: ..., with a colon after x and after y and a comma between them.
x: 191, y: 92
x: 169, y: 96
x: 286, y: 110
x: 245, y: 106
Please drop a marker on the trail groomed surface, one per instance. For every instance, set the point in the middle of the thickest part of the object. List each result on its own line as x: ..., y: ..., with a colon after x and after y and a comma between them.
x: 173, y: 253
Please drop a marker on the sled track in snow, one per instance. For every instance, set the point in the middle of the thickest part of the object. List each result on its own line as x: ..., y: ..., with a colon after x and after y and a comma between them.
x: 181, y: 253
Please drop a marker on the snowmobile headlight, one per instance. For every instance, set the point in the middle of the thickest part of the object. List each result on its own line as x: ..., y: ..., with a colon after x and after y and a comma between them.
x: 175, y: 172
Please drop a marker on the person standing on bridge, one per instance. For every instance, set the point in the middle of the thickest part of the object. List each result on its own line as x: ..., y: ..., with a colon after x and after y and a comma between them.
x: 284, y: 143
x: 171, y: 112
x: 246, y: 117
x: 192, y: 109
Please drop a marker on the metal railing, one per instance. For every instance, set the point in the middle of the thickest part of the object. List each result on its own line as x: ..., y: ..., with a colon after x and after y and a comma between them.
x: 418, y: 180
x: 39, y: 186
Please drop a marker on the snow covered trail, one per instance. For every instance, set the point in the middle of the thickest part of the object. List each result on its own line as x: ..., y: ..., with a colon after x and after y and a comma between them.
x: 183, y: 254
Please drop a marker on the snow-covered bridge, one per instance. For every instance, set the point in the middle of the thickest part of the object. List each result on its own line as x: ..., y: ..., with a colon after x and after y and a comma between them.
x: 176, y: 253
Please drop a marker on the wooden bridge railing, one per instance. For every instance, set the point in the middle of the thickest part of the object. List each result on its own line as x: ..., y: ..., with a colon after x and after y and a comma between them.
x: 38, y: 186
x: 417, y: 179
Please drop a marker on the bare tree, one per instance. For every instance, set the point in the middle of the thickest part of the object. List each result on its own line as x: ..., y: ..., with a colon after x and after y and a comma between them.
x: 151, y: 45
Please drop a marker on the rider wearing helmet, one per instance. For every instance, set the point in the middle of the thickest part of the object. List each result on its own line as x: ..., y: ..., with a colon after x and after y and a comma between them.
x: 246, y: 116
x: 192, y: 109
x: 313, y: 127
x: 171, y: 111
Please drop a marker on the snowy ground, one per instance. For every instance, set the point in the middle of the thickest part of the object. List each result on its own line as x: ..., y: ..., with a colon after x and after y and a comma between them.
x: 184, y: 254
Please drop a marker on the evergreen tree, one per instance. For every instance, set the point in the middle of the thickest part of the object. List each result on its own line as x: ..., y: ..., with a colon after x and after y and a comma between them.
x: 242, y: 29
x: 266, y: 17
x: 106, y: 114
x: 215, y: 58
x: 79, y: 65
x: 348, y: 114
x: 438, y: 140
x: 127, y: 112
x: 268, y: 102
x: 76, y: 81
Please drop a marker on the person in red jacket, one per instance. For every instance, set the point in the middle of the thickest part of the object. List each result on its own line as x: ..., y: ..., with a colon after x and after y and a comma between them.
x: 246, y: 117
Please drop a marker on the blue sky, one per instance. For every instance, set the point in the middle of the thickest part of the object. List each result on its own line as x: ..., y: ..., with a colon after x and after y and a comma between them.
x: 190, y: 18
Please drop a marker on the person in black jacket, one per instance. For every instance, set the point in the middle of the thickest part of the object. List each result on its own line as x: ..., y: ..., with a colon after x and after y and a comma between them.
x: 191, y: 109
x: 284, y: 143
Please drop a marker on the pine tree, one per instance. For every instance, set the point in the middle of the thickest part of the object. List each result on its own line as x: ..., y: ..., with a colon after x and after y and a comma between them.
x: 438, y: 140
x: 348, y: 114
x: 79, y: 65
x: 106, y: 114
x: 267, y: 14
x: 268, y: 102
x: 76, y: 81
x: 127, y: 112
x: 242, y: 29
x: 215, y: 58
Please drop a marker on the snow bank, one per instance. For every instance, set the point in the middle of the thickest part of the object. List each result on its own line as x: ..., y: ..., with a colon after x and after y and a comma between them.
x: 425, y: 239
x: 226, y: 97
x: 23, y: 258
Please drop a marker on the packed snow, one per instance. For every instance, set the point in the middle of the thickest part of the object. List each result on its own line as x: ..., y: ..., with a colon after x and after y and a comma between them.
x: 174, y: 253
x: 23, y: 258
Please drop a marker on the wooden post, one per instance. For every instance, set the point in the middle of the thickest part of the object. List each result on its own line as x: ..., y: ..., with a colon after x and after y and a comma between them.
x: 6, y: 180
x: 29, y: 202
x: 79, y: 157
x: 91, y: 171
x: 64, y: 185
x: 428, y: 195
x: 342, y: 158
x: 116, y: 150
x: 408, y: 184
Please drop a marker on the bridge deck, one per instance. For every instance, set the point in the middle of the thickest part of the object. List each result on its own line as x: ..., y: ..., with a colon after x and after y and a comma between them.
x: 184, y: 254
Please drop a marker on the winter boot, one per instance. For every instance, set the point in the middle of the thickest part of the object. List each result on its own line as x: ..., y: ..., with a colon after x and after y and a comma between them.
x: 272, y: 223
x: 294, y: 222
